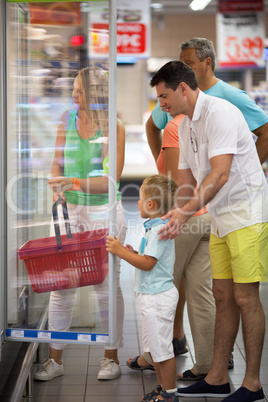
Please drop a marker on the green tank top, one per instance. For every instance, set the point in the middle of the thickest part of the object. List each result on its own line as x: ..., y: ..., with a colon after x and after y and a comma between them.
x: 83, y: 159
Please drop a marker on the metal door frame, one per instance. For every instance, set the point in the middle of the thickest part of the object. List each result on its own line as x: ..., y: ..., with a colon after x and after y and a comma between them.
x: 3, y: 176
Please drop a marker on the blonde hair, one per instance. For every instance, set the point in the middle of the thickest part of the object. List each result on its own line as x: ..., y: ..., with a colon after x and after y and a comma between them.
x: 95, y: 86
x: 162, y: 190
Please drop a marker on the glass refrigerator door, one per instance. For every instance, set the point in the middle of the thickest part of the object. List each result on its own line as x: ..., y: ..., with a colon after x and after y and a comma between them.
x: 57, y: 127
x: 2, y: 178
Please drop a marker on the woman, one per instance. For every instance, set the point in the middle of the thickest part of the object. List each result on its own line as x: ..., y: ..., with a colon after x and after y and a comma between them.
x: 77, y: 175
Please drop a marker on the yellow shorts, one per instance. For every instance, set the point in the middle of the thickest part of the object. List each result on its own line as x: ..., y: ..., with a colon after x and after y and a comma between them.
x: 241, y: 255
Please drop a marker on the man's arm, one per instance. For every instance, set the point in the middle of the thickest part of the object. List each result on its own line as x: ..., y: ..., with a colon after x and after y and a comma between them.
x: 154, y: 137
x: 215, y: 180
x: 186, y: 187
x: 262, y: 142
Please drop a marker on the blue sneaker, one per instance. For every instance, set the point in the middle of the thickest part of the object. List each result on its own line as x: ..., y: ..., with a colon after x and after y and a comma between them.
x: 168, y: 397
x: 203, y: 389
x: 150, y: 395
x: 245, y: 395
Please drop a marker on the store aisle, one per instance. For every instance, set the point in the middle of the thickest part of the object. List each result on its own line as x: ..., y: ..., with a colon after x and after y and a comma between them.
x: 81, y: 363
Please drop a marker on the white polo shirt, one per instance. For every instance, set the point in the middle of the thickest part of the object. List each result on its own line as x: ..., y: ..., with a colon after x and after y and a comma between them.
x: 218, y: 128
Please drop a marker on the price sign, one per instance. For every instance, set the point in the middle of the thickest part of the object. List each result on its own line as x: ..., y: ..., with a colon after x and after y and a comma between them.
x: 243, y: 48
x: 133, y: 28
x: 131, y: 38
x: 240, y: 39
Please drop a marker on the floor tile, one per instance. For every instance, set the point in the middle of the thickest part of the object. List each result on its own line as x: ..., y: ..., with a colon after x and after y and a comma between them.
x: 114, y: 390
x: 119, y: 398
x: 66, y: 379
x: 57, y: 398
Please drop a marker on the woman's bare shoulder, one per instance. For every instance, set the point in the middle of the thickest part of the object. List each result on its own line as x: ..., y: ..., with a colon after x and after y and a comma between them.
x: 64, y: 120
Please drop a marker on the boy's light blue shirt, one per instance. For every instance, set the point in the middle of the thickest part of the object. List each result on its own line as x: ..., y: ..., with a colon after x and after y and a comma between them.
x: 160, y: 278
x: 254, y: 115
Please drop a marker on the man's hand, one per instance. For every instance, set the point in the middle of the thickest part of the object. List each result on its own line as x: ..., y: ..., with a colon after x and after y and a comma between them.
x: 113, y: 245
x: 174, y: 225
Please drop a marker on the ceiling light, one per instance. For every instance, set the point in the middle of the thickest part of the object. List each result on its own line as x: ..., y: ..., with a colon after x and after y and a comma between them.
x: 157, y: 5
x: 199, y: 4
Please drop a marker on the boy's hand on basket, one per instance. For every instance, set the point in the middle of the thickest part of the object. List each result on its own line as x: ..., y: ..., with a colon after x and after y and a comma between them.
x: 130, y: 248
x: 113, y: 245
x: 60, y: 184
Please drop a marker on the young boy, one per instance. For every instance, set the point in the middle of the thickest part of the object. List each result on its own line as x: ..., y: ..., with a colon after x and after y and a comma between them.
x: 154, y: 281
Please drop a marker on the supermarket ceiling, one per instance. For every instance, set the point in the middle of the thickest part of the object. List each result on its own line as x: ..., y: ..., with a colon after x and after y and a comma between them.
x: 182, y: 7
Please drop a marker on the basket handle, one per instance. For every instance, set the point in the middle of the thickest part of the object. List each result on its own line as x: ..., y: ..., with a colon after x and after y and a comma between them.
x: 56, y: 220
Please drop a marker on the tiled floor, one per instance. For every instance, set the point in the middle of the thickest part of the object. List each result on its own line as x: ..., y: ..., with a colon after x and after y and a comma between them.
x: 81, y: 363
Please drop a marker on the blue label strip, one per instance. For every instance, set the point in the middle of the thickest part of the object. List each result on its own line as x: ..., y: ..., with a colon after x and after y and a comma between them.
x: 67, y: 336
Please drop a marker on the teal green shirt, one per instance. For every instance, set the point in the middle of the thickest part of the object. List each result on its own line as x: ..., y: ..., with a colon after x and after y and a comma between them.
x: 254, y: 115
x: 83, y: 159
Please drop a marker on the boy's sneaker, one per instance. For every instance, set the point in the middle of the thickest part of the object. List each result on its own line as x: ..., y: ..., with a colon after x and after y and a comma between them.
x: 203, y: 389
x: 49, y: 370
x: 169, y: 397
x: 245, y: 395
x: 148, y: 397
x: 109, y: 369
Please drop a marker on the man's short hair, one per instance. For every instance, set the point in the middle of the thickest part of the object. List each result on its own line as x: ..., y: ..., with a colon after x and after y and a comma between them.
x: 173, y: 73
x: 204, y: 48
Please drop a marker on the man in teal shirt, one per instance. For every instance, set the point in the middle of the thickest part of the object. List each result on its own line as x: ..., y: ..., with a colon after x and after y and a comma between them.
x: 199, y: 54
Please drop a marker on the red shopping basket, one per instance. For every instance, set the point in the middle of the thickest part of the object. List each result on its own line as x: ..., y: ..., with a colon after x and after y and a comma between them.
x: 67, y: 261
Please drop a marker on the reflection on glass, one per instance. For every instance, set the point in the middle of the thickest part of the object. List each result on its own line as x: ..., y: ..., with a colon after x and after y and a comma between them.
x: 58, y: 127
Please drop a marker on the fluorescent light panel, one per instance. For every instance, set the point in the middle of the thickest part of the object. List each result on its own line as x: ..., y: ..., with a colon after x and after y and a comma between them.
x: 157, y: 5
x: 199, y: 4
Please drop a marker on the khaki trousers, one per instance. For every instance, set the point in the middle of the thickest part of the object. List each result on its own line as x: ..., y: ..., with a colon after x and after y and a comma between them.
x: 192, y: 261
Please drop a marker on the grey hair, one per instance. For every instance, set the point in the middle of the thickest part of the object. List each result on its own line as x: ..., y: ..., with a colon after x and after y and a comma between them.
x: 204, y: 48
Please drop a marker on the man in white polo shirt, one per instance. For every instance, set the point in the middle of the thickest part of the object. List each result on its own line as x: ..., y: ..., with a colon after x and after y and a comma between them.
x: 217, y: 154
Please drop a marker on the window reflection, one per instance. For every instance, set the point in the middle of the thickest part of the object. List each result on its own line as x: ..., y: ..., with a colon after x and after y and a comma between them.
x: 48, y: 43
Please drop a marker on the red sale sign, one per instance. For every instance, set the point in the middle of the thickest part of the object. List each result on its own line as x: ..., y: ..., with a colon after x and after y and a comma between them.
x: 133, y: 28
x: 246, y: 51
x: 227, y: 6
x: 131, y: 38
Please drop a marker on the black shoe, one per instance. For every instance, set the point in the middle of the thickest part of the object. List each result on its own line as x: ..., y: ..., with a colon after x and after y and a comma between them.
x: 205, y: 390
x: 231, y: 362
x: 179, y: 346
x: 245, y: 395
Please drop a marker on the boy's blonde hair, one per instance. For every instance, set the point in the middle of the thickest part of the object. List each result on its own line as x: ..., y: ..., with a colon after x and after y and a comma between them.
x: 162, y: 190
